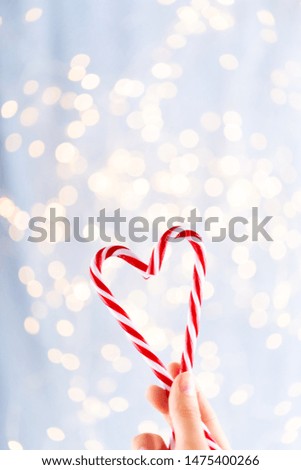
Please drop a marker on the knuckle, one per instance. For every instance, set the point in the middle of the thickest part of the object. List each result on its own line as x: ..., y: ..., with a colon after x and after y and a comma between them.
x: 210, y: 419
x: 141, y: 437
x: 188, y: 411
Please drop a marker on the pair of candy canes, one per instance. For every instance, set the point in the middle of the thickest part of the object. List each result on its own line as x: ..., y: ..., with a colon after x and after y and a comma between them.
x: 154, y: 266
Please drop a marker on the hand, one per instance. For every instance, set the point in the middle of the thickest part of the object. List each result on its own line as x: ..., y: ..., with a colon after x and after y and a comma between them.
x: 183, y: 410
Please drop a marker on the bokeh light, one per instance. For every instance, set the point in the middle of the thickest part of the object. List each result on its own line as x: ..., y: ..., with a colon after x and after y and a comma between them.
x: 156, y: 122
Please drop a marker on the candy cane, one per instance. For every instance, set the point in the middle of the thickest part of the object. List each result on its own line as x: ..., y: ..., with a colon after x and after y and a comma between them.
x: 154, y: 266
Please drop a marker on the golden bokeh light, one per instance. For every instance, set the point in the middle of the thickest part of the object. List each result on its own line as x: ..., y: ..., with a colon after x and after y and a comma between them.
x: 239, y: 397
x: 65, y: 152
x: 80, y: 60
x: 189, y: 138
x: 34, y: 288
x: 70, y: 361
x: 68, y: 195
x: 90, y: 117
x: 76, y: 129
x: 9, y: 109
x: 14, y: 445
x: 55, y: 355
x: 93, y: 444
x: 30, y: 87
x: 274, y: 341
x: 31, y: 326
x: 76, y: 73
x: 228, y: 62
x: 118, y: 404
x: 29, y: 116
x: 26, y: 274
x: 55, y: 434
x: 65, y: 328
x: 13, y: 142
x: 210, y: 121
x: 90, y: 81
x: 51, y: 95
x: 36, y: 148
x: 128, y: 87
x: 83, y: 102
x: 76, y: 394
x: 266, y: 17
x: 33, y: 14
x: 213, y: 187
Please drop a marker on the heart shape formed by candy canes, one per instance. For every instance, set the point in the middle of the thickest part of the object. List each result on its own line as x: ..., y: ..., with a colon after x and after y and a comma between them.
x: 154, y: 266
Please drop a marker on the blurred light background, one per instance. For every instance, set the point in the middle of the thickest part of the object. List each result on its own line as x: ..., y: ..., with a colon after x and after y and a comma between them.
x: 153, y: 107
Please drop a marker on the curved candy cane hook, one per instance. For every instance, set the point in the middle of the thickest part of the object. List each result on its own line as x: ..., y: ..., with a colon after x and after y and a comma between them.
x: 154, y: 266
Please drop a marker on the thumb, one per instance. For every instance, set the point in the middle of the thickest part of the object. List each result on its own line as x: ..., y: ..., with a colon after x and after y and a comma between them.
x: 185, y: 413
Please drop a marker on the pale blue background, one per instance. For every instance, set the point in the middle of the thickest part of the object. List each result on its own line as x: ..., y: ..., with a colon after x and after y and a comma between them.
x: 124, y: 39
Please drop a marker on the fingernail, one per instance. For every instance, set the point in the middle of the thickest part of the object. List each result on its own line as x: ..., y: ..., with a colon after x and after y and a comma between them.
x: 186, y: 384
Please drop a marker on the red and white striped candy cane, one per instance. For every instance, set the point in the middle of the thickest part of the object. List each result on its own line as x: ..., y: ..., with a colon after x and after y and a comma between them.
x: 154, y: 266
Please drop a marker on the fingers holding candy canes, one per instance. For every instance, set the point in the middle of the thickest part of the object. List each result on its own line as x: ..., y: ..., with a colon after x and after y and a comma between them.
x: 183, y: 409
